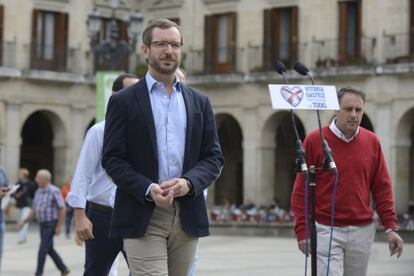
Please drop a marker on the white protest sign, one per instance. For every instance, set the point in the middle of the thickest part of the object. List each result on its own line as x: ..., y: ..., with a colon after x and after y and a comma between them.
x: 295, y: 96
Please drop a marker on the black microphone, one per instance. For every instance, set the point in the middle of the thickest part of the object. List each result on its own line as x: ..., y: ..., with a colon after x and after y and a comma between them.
x: 300, y: 152
x: 328, y: 163
x: 301, y: 69
x: 279, y: 67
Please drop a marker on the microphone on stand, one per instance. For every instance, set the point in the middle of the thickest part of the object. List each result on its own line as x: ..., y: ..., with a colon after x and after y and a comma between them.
x: 300, y: 152
x: 328, y: 162
x: 280, y: 68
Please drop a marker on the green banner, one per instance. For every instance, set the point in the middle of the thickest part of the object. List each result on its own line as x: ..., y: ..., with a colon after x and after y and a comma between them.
x: 104, y: 81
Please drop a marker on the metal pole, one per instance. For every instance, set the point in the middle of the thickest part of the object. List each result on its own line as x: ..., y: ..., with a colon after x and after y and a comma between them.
x: 313, y: 237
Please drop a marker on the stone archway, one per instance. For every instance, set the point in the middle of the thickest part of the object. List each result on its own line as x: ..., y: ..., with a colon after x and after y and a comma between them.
x: 404, y: 164
x: 278, y: 158
x: 366, y: 123
x: 44, y: 144
x: 229, y: 186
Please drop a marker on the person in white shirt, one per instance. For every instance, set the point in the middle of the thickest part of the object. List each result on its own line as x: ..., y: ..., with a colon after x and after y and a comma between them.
x: 91, y: 190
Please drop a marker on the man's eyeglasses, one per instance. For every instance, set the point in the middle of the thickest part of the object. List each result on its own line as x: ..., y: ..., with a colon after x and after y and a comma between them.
x: 164, y: 44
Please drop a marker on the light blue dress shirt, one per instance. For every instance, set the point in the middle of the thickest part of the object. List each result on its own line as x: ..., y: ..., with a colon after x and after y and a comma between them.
x: 170, y: 120
x: 90, y: 181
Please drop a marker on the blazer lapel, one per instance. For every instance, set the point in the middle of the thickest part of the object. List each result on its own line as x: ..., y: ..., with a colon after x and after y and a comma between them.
x: 188, y: 100
x: 144, y: 102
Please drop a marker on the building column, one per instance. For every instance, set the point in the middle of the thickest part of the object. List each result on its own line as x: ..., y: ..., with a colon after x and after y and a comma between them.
x: 11, y: 155
x: 383, y: 130
x: 265, y: 174
x: 77, y: 137
x: 400, y: 175
x: 251, y: 158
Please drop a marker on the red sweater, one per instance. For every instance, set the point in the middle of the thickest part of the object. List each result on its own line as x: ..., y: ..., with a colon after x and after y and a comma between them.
x: 362, y: 173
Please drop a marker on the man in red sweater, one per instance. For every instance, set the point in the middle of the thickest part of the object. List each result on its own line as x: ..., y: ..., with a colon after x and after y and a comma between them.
x: 362, y: 173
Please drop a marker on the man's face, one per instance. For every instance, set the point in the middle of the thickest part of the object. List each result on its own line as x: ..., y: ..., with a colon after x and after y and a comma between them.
x: 41, y: 180
x: 349, y: 116
x: 163, y: 59
x: 128, y: 82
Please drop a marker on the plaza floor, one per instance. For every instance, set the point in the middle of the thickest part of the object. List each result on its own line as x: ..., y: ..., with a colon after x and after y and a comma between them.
x: 218, y: 256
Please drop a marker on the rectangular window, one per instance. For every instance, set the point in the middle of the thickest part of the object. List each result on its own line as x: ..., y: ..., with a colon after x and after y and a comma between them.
x: 49, y: 35
x: 222, y: 40
x: 285, y: 33
x: 220, y: 43
x: 280, y: 37
x: 49, y: 40
x: 349, y: 43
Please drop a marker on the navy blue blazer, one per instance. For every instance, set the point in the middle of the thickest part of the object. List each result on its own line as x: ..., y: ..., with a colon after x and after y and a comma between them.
x: 130, y: 158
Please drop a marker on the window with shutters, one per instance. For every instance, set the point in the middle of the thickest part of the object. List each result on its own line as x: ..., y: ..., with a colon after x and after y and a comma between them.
x: 280, y: 37
x: 49, y: 40
x: 104, y: 34
x: 349, y: 43
x: 1, y: 34
x: 220, y: 43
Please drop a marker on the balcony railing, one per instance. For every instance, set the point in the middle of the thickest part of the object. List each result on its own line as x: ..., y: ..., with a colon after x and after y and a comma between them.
x: 326, y: 53
x: 54, y: 59
x: 261, y: 58
x: 8, y: 54
x: 398, y: 48
x: 219, y: 61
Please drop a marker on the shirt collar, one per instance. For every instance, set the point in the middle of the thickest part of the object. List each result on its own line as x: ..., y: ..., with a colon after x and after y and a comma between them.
x: 45, y: 189
x: 151, y: 82
x: 338, y: 133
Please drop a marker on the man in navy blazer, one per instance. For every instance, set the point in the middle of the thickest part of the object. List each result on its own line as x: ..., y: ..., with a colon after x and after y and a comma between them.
x: 161, y: 149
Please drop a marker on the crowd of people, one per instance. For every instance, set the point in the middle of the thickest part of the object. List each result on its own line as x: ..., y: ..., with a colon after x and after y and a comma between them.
x: 274, y: 214
x: 250, y: 213
x: 40, y: 199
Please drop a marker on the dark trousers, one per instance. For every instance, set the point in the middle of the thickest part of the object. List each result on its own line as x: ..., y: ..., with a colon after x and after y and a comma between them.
x: 68, y: 219
x: 101, y: 252
x: 47, y: 233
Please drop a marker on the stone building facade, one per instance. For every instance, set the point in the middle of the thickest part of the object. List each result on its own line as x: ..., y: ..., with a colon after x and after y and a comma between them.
x: 47, y: 95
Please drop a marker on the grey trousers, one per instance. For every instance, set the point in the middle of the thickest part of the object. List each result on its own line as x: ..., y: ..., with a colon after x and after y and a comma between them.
x: 350, y: 251
x: 164, y: 250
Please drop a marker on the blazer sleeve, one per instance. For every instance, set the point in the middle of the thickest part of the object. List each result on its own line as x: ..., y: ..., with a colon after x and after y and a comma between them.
x: 114, y: 156
x: 210, y: 162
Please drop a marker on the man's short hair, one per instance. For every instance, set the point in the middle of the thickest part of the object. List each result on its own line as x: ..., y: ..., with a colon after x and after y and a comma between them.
x: 119, y: 81
x: 161, y: 23
x: 351, y: 90
x: 45, y: 173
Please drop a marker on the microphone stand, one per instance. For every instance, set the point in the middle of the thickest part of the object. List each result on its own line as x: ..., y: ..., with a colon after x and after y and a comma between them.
x: 300, y: 152
x: 328, y: 165
x: 301, y: 167
x: 313, y: 236
x: 312, y: 187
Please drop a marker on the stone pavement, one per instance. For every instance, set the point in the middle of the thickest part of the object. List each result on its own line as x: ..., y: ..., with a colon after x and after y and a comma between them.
x: 218, y: 256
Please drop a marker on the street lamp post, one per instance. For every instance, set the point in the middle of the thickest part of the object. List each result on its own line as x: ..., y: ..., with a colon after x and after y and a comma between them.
x: 111, y: 51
